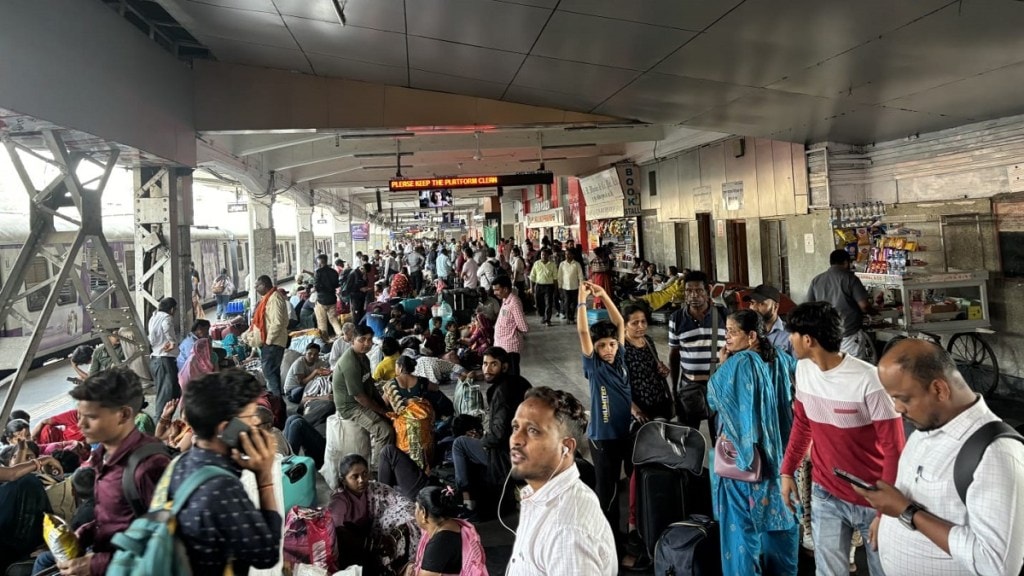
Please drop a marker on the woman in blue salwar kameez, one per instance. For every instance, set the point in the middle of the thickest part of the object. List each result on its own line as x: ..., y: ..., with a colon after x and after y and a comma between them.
x: 752, y: 394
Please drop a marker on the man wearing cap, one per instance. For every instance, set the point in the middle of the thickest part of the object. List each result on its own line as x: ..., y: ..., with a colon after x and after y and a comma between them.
x: 765, y: 301
x: 841, y: 288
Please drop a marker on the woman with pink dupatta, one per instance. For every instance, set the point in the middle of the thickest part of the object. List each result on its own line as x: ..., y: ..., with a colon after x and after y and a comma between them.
x: 199, y: 362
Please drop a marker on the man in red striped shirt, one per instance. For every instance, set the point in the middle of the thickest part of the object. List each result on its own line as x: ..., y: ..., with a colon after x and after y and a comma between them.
x: 511, y: 323
x: 847, y: 419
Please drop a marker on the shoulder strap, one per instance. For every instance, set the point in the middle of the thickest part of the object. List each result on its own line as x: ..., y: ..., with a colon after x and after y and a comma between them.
x: 197, y: 479
x: 971, y: 452
x: 714, y: 338
x: 128, y: 486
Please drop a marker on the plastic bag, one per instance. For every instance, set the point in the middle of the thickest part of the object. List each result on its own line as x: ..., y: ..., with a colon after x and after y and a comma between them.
x: 309, y: 538
x: 60, y: 539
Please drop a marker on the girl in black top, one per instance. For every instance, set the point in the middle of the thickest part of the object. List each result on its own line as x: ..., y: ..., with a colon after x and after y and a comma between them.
x: 435, y: 512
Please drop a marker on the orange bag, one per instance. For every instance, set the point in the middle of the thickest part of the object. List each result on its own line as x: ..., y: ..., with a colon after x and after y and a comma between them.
x: 414, y: 431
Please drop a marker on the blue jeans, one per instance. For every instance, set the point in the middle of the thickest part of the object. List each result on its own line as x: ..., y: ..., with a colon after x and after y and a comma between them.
x: 833, y: 521
x: 43, y: 562
x: 466, y: 451
x: 222, y: 305
x: 270, y: 359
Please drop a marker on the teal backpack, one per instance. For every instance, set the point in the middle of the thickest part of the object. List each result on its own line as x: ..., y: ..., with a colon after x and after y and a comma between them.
x: 149, y: 547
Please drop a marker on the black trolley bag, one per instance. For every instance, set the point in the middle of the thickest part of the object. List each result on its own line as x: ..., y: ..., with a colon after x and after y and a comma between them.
x: 669, y: 460
x: 463, y: 302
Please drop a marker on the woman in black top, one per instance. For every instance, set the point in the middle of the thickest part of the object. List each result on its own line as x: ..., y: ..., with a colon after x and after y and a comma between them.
x: 651, y: 396
x: 435, y: 512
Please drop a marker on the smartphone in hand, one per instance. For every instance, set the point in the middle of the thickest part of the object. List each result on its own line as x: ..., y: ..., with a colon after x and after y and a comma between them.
x: 858, y: 482
x: 231, y: 434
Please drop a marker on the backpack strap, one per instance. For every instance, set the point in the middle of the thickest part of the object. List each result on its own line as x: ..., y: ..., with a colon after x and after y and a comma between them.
x: 973, y: 450
x: 194, y: 481
x: 128, y: 486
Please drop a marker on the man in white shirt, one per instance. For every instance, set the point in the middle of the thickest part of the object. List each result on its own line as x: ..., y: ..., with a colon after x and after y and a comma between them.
x: 163, y: 340
x: 926, y: 526
x: 469, y: 270
x: 570, y: 274
x: 488, y: 270
x: 562, y: 531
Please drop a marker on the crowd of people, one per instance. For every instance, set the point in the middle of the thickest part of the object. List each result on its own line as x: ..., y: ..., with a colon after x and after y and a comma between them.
x: 807, y: 434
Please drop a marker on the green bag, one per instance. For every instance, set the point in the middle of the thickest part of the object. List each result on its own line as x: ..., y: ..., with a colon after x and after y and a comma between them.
x: 149, y: 546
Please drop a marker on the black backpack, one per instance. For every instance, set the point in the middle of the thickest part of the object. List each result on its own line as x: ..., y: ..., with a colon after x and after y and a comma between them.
x: 347, y: 283
x: 689, y: 548
x: 970, y: 454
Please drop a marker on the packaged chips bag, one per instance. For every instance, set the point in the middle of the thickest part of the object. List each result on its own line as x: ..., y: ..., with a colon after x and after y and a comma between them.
x: 60, y: 538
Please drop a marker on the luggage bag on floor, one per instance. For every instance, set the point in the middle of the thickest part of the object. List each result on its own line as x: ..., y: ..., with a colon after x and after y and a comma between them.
x: 299, y: 481
x: 667, y: 458
x: 689, y: 548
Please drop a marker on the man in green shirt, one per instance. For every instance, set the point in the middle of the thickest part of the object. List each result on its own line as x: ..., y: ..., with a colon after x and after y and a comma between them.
x: 354, y: 396
x: 101, y: 359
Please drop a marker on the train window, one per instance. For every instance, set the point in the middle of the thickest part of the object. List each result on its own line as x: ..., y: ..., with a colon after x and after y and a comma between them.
x: 39, y: 271
x: 129, y: 265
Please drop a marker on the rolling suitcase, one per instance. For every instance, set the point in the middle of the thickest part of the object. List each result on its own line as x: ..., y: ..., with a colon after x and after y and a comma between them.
x: 667, y: 458
x: 299, y: 481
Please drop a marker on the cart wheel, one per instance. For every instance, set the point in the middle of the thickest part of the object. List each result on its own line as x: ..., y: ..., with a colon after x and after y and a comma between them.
x: 976, y: 362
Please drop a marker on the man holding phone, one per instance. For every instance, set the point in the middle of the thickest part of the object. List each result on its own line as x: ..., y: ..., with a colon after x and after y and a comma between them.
x: 842, y: 413
x: 928, y: 525
x: 303, y: 371
x: 219, y: 523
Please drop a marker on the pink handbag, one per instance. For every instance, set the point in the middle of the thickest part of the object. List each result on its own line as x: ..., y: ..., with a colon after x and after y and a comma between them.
x: 725, y: 463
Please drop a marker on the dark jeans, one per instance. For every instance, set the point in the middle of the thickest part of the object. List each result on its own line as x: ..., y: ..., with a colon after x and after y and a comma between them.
x: 303, y: 438
x: 417, y: 281
x: 545, y: 300
x: 569, y: 298
x: 270, y: 358
x: 358, y: 303
x: 513, y: 363
x: 165, y: 379
x: 398, y: 470
x: 295, y: 394
x: 609, y: 456
x: 22, y: 503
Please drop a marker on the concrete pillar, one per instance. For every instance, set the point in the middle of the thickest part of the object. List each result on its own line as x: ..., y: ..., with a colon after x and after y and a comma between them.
x: 163, y: 241
x: 343, y: 243
x: 262, y: 243
x: 305, y: 249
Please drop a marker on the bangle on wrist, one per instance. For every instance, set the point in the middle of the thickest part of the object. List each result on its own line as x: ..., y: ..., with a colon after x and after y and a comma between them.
x: 262, y: 486
x: 39, y: 465
x: 581, y: 305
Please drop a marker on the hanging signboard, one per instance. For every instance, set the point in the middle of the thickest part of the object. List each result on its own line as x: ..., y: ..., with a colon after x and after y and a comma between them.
x: 732, y: 195
x: 360, y: 231
x: 601, y: 187
x: 546, y: 219
x: 630, y: 189
x: 702, y: 199
x: 605, y: 210
x: 460, y: 182
x: 322, y: 221
x: 238, y: 207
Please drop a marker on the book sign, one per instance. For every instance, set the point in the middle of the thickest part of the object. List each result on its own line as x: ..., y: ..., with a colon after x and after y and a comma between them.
x: 630, y: 189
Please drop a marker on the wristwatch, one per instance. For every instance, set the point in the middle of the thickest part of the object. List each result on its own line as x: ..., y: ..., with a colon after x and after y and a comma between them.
x: 907, y: 517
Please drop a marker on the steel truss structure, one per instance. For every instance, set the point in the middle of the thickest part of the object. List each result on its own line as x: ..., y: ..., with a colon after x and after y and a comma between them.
x: 79, y: 203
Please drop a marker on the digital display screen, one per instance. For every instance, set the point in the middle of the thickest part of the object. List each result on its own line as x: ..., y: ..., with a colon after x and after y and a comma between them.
x: 458, y: 182
x: 437, y: 198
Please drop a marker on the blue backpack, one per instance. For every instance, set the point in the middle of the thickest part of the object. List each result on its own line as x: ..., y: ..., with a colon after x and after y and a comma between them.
x: 149, y: 547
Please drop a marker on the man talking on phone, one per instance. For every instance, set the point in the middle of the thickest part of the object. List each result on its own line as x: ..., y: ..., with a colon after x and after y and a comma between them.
x: 931, y: 522
x: 219, y: 523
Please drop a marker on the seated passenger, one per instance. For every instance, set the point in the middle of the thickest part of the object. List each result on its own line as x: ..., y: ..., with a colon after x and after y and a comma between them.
x: 199, y: 362
x: 59, y: 428
x: 219, y: 523
x: 304, y: 371
x: 448, y: 545
x: 375, y: 525
x: 504, y: 395
x: 174, y: 432
x: 385, y: 369
x: 107, y: 404
x: 482, y: 336
x: 22, y: 503
x: 200, y: 329
x: 17, y: 429
x: 400, y: 285
x: 340, y: 345
x: 101, y: 359
x: 266, y: 423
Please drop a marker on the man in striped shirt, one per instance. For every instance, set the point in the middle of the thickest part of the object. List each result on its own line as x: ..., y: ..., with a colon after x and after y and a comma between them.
x: 511, y: 323
x: 844, y: 415
x: 690, y: 348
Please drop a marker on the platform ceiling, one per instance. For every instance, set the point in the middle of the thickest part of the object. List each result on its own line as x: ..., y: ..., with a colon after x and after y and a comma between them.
x: 798, y: 70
